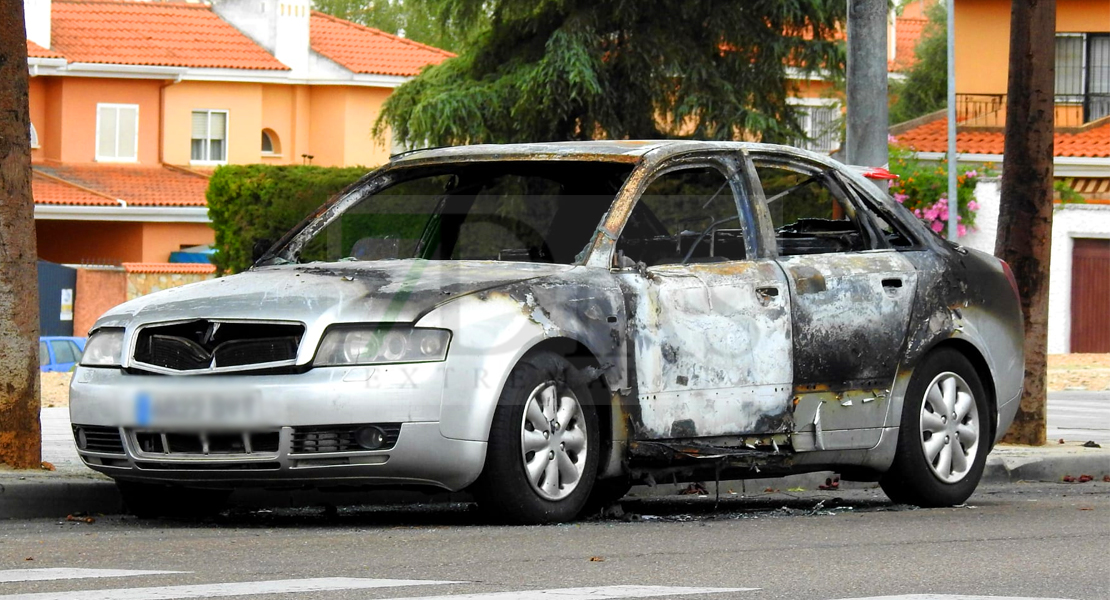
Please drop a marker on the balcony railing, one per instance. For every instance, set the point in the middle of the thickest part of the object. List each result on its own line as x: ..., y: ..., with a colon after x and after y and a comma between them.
x: 989, y: 110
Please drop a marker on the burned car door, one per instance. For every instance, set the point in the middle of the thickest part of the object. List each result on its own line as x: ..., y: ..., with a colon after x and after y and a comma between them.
x: 709, y: 321
x: 851, y: 296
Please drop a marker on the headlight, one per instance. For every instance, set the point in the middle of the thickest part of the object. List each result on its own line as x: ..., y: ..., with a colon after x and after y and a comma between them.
x: 381, y: 344
x: 104, y: 349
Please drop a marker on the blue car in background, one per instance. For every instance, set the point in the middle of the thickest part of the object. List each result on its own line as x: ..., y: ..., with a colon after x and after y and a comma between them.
x: 60, y: 353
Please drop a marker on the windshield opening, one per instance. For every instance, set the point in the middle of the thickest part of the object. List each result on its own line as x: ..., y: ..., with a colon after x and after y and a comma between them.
x: 528, y: 211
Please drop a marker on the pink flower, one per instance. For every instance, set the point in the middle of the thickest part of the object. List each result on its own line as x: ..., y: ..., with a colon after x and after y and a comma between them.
x: 900, y: 198
x: 937, y: 226
x: 972, y: 173
x: 891, y: 139
x: 973, y: 206
x: 917, y: 213
x: 961, y: 230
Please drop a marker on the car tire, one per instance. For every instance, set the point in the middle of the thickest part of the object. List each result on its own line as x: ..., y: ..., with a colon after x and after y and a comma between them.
x: 943, y: 436
x: 150, y: 501
x: 538, y: 469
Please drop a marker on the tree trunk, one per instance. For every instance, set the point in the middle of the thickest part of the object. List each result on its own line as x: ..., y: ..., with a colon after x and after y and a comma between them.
x: 1025, y: 216
x: 20, y: 439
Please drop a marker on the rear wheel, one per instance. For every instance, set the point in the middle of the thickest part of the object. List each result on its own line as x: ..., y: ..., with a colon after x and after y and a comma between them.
x: 942, y: 442
x: 542, y: 455
x: 151, y: 500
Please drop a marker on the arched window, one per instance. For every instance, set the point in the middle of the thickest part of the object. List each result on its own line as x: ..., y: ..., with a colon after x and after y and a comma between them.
x: 271, y: 146
x: 34, y: 137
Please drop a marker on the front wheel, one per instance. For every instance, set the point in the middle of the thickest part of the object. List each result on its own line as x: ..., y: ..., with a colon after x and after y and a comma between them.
x: 542, y: 455
x: 942, y: 442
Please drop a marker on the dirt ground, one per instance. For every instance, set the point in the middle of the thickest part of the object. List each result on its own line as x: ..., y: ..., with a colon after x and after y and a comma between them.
x: 1065, y: 372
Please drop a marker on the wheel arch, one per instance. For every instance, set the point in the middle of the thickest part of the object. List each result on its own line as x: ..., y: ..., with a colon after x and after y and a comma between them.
x: 605, y: 401
x: 979, y: 362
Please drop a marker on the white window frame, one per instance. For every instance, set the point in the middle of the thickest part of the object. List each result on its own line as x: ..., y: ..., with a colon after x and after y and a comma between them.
x: 227, y: 136
x: 807, y: 116
x: 272, y: 153
x: 1073, y: 99
x: 117, y: 158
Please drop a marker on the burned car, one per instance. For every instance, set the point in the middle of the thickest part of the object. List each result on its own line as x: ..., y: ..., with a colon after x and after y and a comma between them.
x: 546, y: 324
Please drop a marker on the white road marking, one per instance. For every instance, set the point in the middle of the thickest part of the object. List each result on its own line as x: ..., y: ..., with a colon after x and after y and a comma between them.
x: 223, y: 590
x: 588, y: 593
x: 948, y: 597
x: 50, y: 574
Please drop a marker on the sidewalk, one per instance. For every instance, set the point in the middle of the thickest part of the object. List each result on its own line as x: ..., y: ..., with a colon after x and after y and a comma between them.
x: 73, y: 488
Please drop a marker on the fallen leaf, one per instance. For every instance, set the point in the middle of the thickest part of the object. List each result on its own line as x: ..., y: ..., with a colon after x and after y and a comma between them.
x: 1085, y: 508
x: 48, y: 466
x: 1069, y: 479
x: 597, y: 559
x: 769, y: 491
x: 1092, y: 444
x: 1085, y: 478
x: 1106, y: 478
x: 80, y: 519
x: 1060, y: 441
x: 796, y: 489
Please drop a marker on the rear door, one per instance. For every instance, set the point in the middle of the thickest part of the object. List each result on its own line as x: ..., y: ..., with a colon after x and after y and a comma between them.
x: 851, y: 294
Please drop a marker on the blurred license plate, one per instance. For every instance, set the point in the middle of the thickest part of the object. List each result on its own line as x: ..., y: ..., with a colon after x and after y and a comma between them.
x: 197, y: 407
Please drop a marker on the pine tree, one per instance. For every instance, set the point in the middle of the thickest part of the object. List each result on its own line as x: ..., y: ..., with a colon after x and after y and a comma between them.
x: 542, y: 70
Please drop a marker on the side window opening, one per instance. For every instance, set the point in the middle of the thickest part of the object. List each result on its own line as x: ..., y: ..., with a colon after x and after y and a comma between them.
x: 809, y: 212
x: 684, y: 216
x: 887, y: 228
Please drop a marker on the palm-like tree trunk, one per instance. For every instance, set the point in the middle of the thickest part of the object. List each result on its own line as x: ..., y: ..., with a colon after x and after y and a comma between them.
x: 1025, y: 217
x: 20, y: 440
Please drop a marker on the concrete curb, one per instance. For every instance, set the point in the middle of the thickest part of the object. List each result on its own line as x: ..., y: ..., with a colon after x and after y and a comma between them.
x: 75, y: 490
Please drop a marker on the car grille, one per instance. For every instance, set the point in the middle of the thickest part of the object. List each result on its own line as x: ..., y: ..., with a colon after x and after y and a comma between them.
x: 206, y: 443
x: 106, y: 440
x: 215, y: 345
x: 339, y: 438
x: 206, y: 466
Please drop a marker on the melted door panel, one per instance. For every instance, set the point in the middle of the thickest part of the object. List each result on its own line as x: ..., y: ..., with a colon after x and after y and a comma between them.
x: 711, y: 347
x: 850, y: 316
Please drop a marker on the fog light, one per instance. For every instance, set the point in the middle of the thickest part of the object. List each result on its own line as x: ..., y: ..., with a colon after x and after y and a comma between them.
x: 82, y: 439
x: 370, y: 438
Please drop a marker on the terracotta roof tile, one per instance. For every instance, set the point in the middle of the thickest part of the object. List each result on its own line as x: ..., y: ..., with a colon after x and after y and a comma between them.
x: 182, y: 268
x: 135, y: 185
x: 933, y: 137
x: 36, y: 51
x: 907, y: 33
x: 152, y: 33
x: 365, y: 50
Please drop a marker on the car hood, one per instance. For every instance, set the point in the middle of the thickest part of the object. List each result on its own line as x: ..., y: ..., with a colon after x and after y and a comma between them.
x: 324, y: 293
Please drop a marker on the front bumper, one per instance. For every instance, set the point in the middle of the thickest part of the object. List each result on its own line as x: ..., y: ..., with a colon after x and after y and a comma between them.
x: 107, y: 402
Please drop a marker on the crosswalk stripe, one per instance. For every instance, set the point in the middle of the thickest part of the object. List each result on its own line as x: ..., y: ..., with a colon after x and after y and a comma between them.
x: 50, y: 574
x: 588, y: 593
x: 948, y: 597
x: 223, y: 590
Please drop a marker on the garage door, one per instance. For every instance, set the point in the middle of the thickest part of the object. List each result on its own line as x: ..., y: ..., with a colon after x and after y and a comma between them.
x: 1090, y: 296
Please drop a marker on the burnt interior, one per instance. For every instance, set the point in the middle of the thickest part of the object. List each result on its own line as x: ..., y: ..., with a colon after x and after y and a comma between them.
x: 201, y: 344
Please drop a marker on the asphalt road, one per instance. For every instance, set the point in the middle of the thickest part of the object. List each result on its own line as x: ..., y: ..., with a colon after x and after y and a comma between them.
x: 1079, y: 416
x: 1027, y: 541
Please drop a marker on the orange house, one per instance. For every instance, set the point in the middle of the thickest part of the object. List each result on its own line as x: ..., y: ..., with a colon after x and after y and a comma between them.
x: 134, y: 103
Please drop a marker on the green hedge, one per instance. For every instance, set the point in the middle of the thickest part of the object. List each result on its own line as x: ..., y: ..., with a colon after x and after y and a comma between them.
x: 248, y: 203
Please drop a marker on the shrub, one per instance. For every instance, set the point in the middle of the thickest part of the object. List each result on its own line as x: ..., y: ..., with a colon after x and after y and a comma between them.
x: 252, y: 203
x: 923, y: 188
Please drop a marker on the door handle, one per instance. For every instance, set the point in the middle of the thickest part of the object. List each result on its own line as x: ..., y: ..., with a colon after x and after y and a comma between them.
x: 767, y: 294
x: 892, y: 286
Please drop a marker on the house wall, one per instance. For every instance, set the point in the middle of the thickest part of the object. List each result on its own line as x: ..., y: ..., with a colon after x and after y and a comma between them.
x: 37, y: 108
x: 983, y: 38
x: 98, y: 242
x: 141, y: 284
x: 327, y: 130
x: 66, y: 108
x: 243, y: 101
x: 159, y: 239
x: 97, y: 291
x: 1069, y: 221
